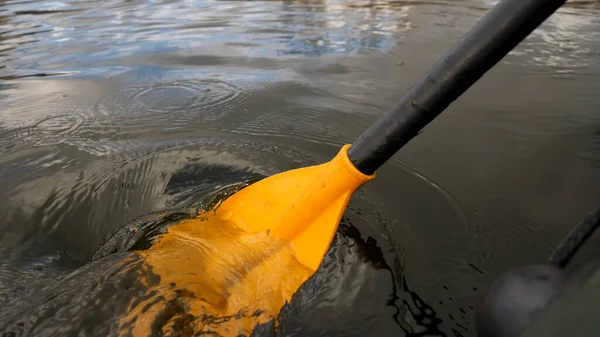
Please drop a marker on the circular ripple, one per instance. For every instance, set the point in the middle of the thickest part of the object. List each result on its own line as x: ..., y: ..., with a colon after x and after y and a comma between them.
x: 207, y: 99
x: 71, y: 124
x: 166, y: 98
x: 61, y: 124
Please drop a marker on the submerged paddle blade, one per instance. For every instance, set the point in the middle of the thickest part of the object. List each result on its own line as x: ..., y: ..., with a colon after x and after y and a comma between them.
x: 302, y: 206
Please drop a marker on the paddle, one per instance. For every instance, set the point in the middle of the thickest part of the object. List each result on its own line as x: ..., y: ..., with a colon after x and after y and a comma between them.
x: 304, y: 206
x: 236, y: 265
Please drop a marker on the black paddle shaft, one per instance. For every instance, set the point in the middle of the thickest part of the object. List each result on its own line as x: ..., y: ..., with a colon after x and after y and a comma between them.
x: 494, y: 36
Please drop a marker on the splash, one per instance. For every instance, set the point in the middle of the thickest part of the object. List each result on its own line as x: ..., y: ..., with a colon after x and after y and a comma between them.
x: 215, y: 278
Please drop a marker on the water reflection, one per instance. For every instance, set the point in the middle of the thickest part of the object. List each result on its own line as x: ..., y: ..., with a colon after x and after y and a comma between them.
x: 565, y: 41
x: 255, y: 29
x: 54, y: 40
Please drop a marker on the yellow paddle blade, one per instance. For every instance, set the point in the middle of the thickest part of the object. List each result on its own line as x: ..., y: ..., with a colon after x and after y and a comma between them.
x: 233, y: 268
x: 302, y: 206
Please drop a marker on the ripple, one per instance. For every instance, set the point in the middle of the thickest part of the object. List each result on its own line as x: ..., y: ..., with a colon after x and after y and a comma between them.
x: 317, y: 125
x: 14, y: 139
x: 60, y: 125
x: 208, y: 99
x: 73, y: 123
x: 453, y: 201
x: 294, y: 122
x: 44, y: 204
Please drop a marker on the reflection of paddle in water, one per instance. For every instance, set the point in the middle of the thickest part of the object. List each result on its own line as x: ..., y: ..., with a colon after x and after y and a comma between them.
x: 228, y: 280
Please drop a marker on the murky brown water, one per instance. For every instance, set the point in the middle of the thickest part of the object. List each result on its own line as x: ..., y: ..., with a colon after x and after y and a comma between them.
x: 116, y: 109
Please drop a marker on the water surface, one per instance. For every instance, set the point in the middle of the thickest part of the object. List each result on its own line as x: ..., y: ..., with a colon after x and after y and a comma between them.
x: 112, y: 110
